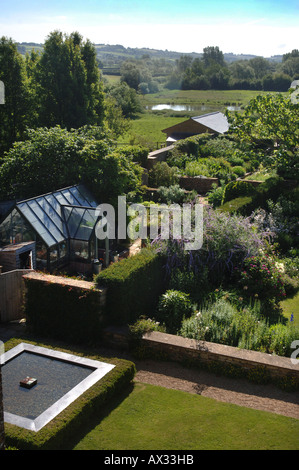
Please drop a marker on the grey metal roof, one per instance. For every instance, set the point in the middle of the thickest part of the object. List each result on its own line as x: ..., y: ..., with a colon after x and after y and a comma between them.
x: 216, y: 121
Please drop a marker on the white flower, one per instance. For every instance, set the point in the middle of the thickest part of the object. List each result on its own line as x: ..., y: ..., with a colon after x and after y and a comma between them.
x: 280, y: 267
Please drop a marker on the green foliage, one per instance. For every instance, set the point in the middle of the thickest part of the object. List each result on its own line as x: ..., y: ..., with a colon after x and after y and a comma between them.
x: 55, y: 158
x: 136, y: 153
x: 173, y: 307
x: 162, y: 175
x: 171, y: 195
x: 235, y: 189
x: 67, y: 83
x: 63, y: 311
x: 134, y: 285
x: 215, y: 195
x: 270, y: 123
x: 209, y: 167
x: 196, y: 285
x: 225, y: 323
x: 126, y: 98
x: 14, y: 115
x: 261, y: 276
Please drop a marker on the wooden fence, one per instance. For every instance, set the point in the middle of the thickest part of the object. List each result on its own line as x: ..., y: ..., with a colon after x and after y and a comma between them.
x: 11, y: 295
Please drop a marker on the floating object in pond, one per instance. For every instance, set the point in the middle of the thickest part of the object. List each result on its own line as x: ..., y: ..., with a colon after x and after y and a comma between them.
x: 29, y: 382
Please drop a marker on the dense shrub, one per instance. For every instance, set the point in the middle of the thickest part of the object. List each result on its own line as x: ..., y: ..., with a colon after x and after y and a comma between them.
x: 171, y: 195
x: 235, y: 189
x: 133, y: 286
x: 173, y: 307
x: 215, y: 195
x: 136, y: 153
x: 262, y: 276
x: 195, y: 284
x: 162, y: 175
x: 227, y: 241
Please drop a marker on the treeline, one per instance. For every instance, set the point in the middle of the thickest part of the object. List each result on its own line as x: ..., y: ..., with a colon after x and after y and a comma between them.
x: 211, y: 71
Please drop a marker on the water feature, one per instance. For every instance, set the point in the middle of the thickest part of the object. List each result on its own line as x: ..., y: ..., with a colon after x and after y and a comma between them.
x: 186, y: 107
x: 60, y: 379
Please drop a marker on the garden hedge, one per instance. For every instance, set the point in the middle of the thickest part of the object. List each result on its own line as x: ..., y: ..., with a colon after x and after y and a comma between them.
x: 62, y: 311
x: 133, y: 286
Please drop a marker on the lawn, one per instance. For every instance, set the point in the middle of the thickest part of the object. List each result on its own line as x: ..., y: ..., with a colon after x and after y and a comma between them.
x: 152, y: 417
x: 291, y: 306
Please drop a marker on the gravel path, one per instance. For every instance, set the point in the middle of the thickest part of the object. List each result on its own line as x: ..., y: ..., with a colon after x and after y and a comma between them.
x: 175, y: 376
x: 237, y: 391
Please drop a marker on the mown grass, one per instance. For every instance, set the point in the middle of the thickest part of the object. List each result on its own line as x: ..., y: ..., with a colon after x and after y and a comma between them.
x: 152, y: 417
x: 291, y: 306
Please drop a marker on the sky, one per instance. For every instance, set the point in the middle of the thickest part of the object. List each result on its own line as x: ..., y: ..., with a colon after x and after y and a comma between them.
x: 258, y: 27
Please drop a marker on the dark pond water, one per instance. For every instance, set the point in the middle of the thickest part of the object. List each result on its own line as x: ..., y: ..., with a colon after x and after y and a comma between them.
x: 54, y: 377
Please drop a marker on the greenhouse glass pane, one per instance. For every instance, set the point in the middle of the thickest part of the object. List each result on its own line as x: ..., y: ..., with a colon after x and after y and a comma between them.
x: 82, y: 201
x: 54, y: 216
x: 45, y: 220
x: 74, y: 221
x: 87, y: 224
x: 60, y: 198
x: 87, y: 196
x: 36, y: 224
x: 70, y: 198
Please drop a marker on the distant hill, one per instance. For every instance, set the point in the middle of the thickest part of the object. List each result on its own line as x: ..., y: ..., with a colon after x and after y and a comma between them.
x: 112, y: 55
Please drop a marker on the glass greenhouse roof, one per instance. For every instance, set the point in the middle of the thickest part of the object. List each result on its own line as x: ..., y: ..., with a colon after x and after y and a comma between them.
x: 62, y: 214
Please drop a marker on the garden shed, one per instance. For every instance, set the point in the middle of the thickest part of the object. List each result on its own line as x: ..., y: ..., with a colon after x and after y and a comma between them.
x: 214, y: 123
x: 61, y: 223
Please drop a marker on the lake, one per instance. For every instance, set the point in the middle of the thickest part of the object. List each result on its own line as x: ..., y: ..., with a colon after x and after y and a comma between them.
x: 186, y: 107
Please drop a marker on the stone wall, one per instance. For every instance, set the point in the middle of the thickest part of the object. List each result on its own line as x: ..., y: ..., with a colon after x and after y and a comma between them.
x: 202, y: 353
x: 200, y: 184
x: 182, y: 349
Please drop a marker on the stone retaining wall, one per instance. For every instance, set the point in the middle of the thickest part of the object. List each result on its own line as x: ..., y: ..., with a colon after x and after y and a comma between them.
x: 202, y: 353
x: 201, y: 185
x: 179, y: 349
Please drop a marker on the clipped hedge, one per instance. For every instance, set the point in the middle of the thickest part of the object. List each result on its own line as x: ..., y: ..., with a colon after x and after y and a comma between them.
x: 59, y: 308
x: 133, y: 286
x: 58, y: 433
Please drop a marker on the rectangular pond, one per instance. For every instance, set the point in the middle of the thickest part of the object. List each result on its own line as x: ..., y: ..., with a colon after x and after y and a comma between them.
x: 38, y: 383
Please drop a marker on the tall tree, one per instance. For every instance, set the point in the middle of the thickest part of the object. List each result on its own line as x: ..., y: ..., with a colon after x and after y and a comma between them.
x: 212, y: 55
x: 68, y: 83
x: 14, y: 114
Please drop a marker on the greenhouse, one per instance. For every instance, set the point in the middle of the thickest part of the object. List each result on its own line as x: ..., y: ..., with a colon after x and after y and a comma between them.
x: 62, y: 225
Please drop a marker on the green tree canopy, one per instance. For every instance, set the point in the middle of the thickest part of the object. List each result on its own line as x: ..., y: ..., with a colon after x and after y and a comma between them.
x: 68, y: 86
x: 271, y: 124
x: 14, y: 114
x: 55, y: 158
